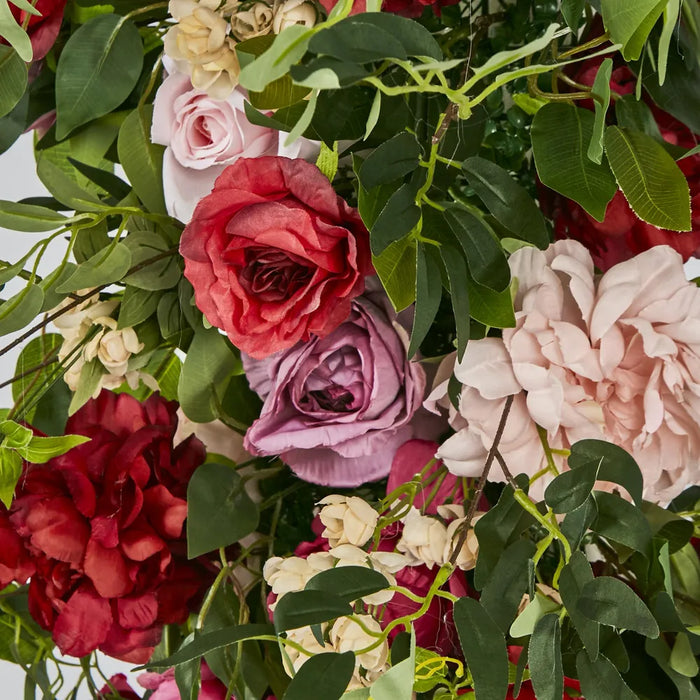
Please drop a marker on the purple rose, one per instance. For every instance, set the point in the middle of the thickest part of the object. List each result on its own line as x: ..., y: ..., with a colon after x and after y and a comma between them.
x: 337, y: 408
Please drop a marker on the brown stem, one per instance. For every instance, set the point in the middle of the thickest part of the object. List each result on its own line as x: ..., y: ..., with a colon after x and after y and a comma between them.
x: 464, y: 530
x: 50, y: 358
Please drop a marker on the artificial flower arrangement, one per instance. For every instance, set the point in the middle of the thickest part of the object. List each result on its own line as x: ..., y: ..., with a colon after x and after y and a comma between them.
x: 369, y: 367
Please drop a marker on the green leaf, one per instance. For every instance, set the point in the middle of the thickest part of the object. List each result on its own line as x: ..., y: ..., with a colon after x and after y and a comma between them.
x: 484, y: 647
x: 508, y: 581
x: 357, y: 42
x: 89, y: 380
x: 458, y: 274
x: 390, y: 161
x: 21, y: 309
x: 142, y: 159
x: 650, y: 179
x: 682, y: 659
x: 428, y: 294
x: 327, y: 161
x: 288, y: 47
x: 16, y: 216
x: 14, y: 34
x: 560, y: 136
x: 398, y: 217
x: 162, y: 274
x: 612, y: 602
x: 137, y: 306
x: 204, y: 643
x: 533, y: 612
x: 54, y: 279
x: 348, y: 582
x: 600, y: 680
x: 629, y: 23
x: 672, y: 12
x: 614, y: 464
x: 324, y: 676
x: 633, y: 114
x: 104, y: 179
x: 63, y: 188
x: 188, y: 679
x: 33, y: 366
x: 544, y: 659
x: 13, y: 79
x: 10, y: 471
x: 279, y: 93
x: 570, y: 489
x: 601, y: 96
x: 396, y: 267
x: 665, y: 524
x: 576, y: 523
x: 301, y: 608
x: 490, y: 308
x: 98, y: 68
x: 508, y: 201
x: 304, y: 120
x: 622, y: 522
x: 573, y: 12
x: 210, y: 360
x: 485, y: 256
x: 219, y: 510
x: 42, y: 449
x: 102, y: 268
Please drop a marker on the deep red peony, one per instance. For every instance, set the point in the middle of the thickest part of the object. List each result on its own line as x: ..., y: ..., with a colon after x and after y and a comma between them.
x: 622, y: 235
x: 103, y: 528
x: 42, y: 29
x: 274, y: 254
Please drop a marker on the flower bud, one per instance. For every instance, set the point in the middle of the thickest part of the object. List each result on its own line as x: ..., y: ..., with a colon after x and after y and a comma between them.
x: 347, y: 635
x: 423, y: 539
x: 348, y: 520
x: 290, y: 12
x: 255, y: 21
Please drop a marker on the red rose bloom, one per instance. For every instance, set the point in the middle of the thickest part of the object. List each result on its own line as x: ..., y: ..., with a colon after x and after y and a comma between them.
x: 274, y: 254
x: 103, y: 525
x: 42, y: 29
x: 622, y: 235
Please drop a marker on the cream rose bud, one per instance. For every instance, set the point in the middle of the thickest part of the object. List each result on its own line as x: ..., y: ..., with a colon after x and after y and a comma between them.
x: 285, y: 575
x: 255, y: 21
x: 292, y: 12
x: 347, y: 635
x: 305, y: 638
x: 348, y: 520
x: 466, y: 559
x: 423, y: 539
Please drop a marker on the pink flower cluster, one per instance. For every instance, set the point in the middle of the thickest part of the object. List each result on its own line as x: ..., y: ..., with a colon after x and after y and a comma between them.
x: 614, y: 357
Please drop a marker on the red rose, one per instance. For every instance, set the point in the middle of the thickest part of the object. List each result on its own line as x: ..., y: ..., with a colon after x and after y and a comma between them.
x: 103, y: 525
x: 274, y: 254
x: 119, y: 683
x: 622, y: 235
x: 42, y: 29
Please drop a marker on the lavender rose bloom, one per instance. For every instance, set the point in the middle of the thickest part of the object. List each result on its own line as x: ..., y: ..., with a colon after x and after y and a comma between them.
x: 337, y: 408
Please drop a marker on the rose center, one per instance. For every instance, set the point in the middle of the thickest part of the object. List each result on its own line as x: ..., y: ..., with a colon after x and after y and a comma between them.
x: 273, y: 275
x: 334, y: 398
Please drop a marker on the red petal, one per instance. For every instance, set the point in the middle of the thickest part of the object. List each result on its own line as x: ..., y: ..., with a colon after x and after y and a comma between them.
x: 58, y: 530
x: 83, y: 624
x: 165, y: 512
x: 107, y: 570
x: 137, y: 613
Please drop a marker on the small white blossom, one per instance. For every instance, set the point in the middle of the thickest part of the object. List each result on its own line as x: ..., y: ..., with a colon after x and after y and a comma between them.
x: 347, y: 635
x: 348, y: 520
x: 423, y: 539
x: 288, y: 574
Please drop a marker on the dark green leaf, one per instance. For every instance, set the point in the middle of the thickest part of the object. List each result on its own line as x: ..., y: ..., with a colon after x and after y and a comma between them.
x: 490, y: 308
x: 573, y: 12
x: 187, y: 679
x: 398, y: 217
x: 617, y: 465
x: 219, y: 510
x: 622, y: 522
x: 62, y: 187
x: 109, y: 182
x: 601, y: 96
x: 162, y: 274
x: 348, y: 582
x: 98, y: 68
x: 560, y: 137
x: 576, y: 523
x: 612, y: 602
x: 509, y: 580
x: 390, y: 161
x: 485, y: 256
x: 600, y: 680
x: 574, y: 576
x: 102, y: 268
x: 322, y: 677
x: 636, y: 115
x: 570, y: 489
x: 301, y: 608
x: 508, y: 201
x: 142, y: 159
x: 457, y: 274
x: 204, y: 643
x: 484, y: 647
x: 650, y: 179
x: 666, y: 525
x: 13, y: 79
x: 544, y: 658
x: 428, y: 294
x: 357, y: 42
x: 137, y: 306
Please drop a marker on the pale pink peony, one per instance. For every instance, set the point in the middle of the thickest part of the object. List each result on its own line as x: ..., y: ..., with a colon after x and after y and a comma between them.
x: 615, y: 357
x: 203, y: 135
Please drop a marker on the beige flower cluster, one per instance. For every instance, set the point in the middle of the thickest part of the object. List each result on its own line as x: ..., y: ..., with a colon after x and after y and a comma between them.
x: 91, y: 334
x: 202, y: 43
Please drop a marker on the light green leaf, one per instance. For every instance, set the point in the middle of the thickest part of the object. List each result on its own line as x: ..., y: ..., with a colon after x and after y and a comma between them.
x: 13, y: 79
x: 42, y: 449
x: 16, y: 216
x: 397, y: 682
x: 63, y: 188
x: 601, y: 96
x: 10, y: 471
x: 650, y: 179
x: 396, y: 267
x: 14, y: 434
x: 534, y: 611
x: 671, y: 17
x: 137, y: 305
x: 682, y: 659
x: 104, y: 267
x: 373, y: 117
x: 327, y: 161
x: 629, y: 23
x: 21, y: 309
x: 162, y: 274
x: 142, y: 160
x: 14, y: 34
x: 90, y: 376
x: 98, y: 68
x: 560, y: 136
x: 489, y: 307
x: 304, y: 120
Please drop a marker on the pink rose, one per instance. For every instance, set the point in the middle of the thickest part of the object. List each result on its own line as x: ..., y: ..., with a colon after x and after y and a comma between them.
x: 164, y: 686
x: 202, y: 136
x: 274, y: 255
x: 337, y: 408
x: 614, y: 357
